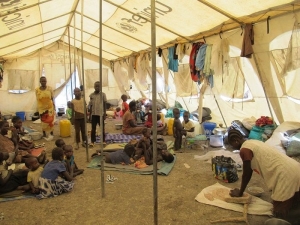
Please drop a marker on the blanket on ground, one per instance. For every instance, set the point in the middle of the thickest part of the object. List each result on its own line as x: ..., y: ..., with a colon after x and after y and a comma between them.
x: 163, y: 168
x: 215, y: 194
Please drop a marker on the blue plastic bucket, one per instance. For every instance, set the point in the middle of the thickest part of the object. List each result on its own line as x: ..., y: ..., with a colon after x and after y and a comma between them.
x: 21, y: 115
x: 208, y: 128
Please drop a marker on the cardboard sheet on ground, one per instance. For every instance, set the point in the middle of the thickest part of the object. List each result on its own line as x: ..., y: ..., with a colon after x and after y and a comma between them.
x: 207, y: 157
x: 114, y: 147
x: 215, y: 194
x: 163, y: 168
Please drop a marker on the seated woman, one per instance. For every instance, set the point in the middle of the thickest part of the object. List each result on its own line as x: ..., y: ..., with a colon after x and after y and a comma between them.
x: 129, y: 123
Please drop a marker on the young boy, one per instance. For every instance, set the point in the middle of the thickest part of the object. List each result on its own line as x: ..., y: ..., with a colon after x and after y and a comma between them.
x: 121, y: 156
x: 188, y: 126
x: 78, y: 117
x: 125, y: 106
x: 35, y: 171
x: 95, y: 108
x: 60, y: 143
x: 177, y: 129
x: 70, y: 161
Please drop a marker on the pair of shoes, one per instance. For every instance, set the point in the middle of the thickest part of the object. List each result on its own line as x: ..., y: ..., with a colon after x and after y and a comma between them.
x: 91, y: 145
x: 49, y: 138
x: 83, y: 145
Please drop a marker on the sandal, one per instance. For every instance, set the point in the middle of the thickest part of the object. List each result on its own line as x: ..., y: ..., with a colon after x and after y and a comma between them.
x: 91, y: 145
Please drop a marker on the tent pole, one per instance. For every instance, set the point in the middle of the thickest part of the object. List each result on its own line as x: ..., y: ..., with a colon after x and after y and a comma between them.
x: 82, y: 62
x: 154, y: 112
x: 261, y: 81
x: 102, y: 110
x: 65, y: 70
x: 69, y: 45
x: 74, y: 52
x: 219, y: 109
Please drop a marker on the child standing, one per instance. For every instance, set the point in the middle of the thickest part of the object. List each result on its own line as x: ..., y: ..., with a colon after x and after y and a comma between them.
x: 121, y: 156
x: 35, y: 171
x: 125, y: 106
x: 95, y: 108
x: 188, y: 126
x: 177, y: 129
x: 78, y: 117
x: 55, y: 179
x: 69, y: 110
x: 70, y: 161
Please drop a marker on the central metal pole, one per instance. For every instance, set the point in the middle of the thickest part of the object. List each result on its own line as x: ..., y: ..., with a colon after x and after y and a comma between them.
x: 154, y: 111
x: 82, y: 71
x: 102, y: 111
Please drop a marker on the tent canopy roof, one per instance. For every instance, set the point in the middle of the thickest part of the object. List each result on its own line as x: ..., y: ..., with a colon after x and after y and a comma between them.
x: 27, y: 26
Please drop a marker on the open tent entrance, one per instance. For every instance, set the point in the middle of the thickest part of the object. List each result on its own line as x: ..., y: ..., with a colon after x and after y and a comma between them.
x: 64, y: 92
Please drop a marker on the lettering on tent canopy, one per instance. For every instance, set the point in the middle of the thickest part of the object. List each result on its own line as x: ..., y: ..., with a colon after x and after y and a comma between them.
x: 14, y: 20
x: 138, y: 19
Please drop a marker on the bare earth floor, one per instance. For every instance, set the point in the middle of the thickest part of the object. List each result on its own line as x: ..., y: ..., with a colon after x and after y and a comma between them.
x: 129, y: 200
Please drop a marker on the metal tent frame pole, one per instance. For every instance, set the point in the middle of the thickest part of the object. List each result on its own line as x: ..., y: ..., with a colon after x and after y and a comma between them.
x: 82, y: 71
x: 102, y: 110
x: 69, y: 50
x: 154, y: 112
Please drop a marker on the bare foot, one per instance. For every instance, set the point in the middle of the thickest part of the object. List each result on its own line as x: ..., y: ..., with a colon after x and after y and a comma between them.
x: 24, y: 188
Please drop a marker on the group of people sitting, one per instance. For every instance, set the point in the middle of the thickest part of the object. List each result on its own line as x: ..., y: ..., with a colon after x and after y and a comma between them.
x: 143, y: 148
x: 48, y: 180
x: 135, y: 120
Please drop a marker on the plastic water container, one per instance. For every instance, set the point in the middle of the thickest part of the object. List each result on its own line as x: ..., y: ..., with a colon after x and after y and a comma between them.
x: 29, y: 114
x: 208, y: 128
x: 65, y: 128
x: 21, y: 115
x: 216, y: 141
x: 170, y: 126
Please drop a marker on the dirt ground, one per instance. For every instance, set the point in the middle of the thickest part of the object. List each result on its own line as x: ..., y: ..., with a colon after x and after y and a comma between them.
x: 129, y: 200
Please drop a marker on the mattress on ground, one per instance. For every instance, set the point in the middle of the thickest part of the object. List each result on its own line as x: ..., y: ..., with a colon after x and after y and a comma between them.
x: 120, y: 138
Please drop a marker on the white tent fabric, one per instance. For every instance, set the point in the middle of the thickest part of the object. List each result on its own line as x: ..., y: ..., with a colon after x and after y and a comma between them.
x: 35, y: 36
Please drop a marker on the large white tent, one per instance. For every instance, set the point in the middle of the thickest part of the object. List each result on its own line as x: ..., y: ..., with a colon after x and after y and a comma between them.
x: 45, y: 37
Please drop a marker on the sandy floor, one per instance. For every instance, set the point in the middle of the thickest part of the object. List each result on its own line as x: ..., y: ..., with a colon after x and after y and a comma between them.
x: 129, y: 200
